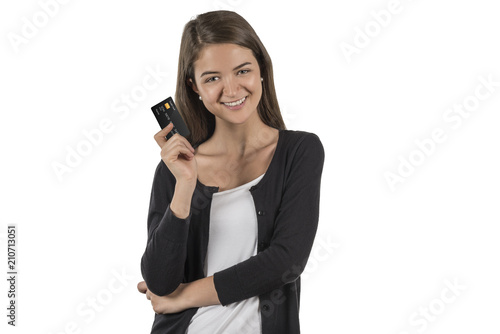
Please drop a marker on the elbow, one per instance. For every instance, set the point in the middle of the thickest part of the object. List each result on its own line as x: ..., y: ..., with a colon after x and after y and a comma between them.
x: 292, y: 271
x: 160, y: 287
x: 293, y: 262
x: 162, y: 290
x: 160, y: 284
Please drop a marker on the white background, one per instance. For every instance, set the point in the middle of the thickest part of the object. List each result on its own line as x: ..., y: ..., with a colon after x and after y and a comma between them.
x: 382, y: 256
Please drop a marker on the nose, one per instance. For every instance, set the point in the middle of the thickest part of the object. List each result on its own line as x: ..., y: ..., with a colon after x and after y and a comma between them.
x: 230, y: 87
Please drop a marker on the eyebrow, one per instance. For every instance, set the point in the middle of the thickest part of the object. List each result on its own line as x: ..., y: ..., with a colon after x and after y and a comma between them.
x: 234, y: 69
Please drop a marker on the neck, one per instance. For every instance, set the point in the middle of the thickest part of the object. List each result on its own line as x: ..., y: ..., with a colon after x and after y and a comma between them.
x: 238, y: 140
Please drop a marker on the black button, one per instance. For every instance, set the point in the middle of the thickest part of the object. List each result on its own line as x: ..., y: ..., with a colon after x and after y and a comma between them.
x: 261, y: 213
x: 265, y: 307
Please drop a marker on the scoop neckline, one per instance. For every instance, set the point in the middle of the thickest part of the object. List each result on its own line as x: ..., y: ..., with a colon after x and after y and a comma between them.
x: 227, y: 191
x: 264, y: 176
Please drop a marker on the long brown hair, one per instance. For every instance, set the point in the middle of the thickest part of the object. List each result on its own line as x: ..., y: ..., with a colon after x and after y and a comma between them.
x: 216, y: 27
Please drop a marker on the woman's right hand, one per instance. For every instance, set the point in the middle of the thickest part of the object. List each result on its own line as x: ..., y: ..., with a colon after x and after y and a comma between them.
x: 178, y: 154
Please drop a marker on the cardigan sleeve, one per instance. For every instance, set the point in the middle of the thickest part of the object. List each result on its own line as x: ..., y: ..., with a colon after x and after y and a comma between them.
x: 294, y: 231
x: 162, y: 264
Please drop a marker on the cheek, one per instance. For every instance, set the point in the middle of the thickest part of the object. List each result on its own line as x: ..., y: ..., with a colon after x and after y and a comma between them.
x: 212, y: 94
x: 258, y: 87
x: 254, y: 85
x: 256, y: 82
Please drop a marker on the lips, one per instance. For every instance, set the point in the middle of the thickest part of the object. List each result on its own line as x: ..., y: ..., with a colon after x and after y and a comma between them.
x: 235, y: 103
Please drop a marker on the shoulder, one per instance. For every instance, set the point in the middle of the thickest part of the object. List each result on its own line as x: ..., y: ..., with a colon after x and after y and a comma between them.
x: 300, y: 161
x: 300, y: 152
x: 302, y: 140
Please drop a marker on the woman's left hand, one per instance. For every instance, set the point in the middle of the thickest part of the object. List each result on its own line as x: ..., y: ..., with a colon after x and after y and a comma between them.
x: 172, y: 303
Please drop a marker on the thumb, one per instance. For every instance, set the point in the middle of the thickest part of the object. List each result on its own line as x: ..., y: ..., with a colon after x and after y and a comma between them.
x: 142, y: 287
x: 160, y: 135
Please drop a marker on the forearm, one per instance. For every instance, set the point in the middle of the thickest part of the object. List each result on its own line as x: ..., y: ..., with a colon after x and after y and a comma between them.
x: 181, y: 201
x: 200, y: 293
x: 187, y: 295
x: 162, y: 264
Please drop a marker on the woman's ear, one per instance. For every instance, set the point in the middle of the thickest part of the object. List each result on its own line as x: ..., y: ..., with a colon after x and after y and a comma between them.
x: 193, y: 86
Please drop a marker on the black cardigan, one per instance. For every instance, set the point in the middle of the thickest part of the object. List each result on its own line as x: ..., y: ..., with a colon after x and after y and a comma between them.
x: 287, y: 206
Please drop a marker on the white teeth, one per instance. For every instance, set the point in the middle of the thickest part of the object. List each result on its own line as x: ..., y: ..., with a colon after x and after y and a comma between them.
x: 237, y: 103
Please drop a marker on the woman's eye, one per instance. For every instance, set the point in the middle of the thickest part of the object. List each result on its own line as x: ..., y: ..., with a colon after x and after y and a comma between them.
x: 245, y: 71
x: 212, y: 79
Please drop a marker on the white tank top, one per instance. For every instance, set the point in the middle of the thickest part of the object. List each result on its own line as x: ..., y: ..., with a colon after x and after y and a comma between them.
x: 232, y: 239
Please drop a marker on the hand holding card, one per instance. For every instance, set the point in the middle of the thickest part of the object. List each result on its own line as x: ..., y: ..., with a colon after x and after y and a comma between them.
x: 166, y: 112
x: 177, y: 153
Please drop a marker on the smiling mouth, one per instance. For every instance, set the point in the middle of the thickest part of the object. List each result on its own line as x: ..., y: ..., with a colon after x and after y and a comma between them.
x: 235, y: 103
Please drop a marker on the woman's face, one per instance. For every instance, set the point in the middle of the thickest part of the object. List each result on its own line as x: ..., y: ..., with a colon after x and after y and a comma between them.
x: 227, y: 77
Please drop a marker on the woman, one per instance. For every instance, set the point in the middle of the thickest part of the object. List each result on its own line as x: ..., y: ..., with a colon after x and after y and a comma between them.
x: 234, y: 207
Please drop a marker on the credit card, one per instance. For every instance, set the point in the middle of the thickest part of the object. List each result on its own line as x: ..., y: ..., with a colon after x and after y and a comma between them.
x: 166, y: 112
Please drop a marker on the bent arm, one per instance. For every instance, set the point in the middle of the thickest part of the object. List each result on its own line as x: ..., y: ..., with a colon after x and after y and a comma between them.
x: 295, y: 229
x: 162, y: 264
